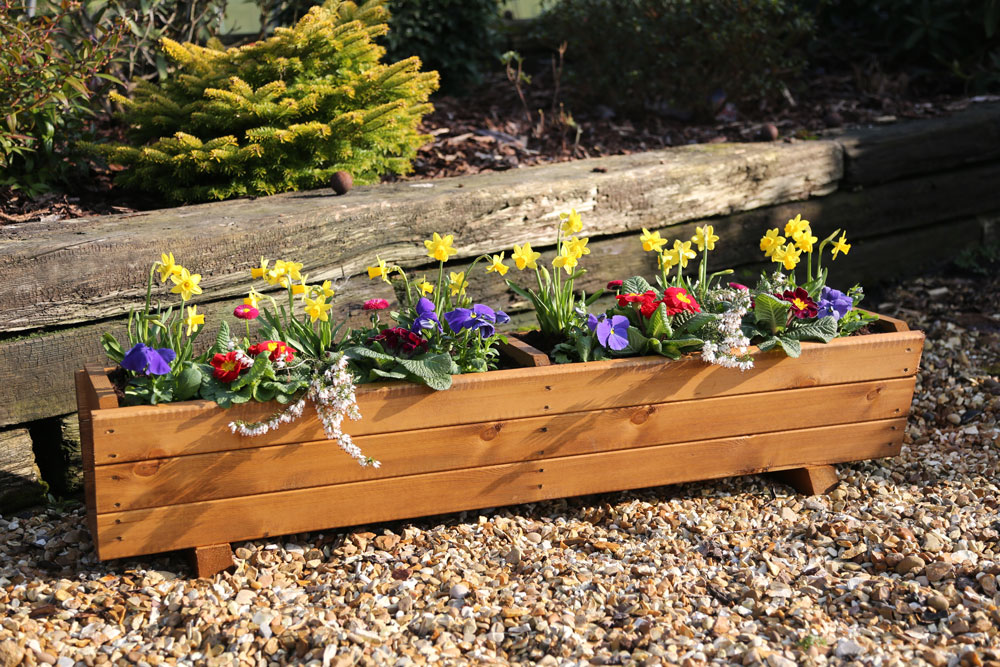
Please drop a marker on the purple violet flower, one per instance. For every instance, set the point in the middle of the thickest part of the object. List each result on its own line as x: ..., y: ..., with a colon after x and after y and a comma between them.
x: 480, y: 317
x: 834, y: 303
x: 611, y: 333
x: 145, y: 360
x: 426, y: 317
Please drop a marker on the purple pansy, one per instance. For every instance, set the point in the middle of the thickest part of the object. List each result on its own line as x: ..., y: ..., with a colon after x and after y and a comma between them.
x: 145, y: 360
x: 480, y: 317
x: 611, y: 333
x: 834, y: 303
x: 426, y: 317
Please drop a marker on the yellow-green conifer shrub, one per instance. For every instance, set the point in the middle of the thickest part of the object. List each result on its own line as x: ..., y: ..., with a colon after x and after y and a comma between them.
x: 277, y: 115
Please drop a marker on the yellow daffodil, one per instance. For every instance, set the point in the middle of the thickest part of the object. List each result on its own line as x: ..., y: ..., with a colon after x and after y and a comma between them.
x: 578, y: 247
x: 186, y: 284
x: 440, y: 248
x: 770, y: 242
x: 571, y: 222
x: 524, y: 257
x: 168, y: 267
x: 496, y: 264
x: 652, y: 241
x: 566, y: 261
x: 193, y: 319
x: 841, y: 245
x: 457, y: 282
x: 805, y: 240
x: 326, y: 289
x: 787, y: 256
x: 260, y: 271
x: 425, y: 287
x: 796, y: 224
x: 299, y: 289
x: 317, y: 309
x: 291, y: 269
x: 252, y: 299
x: 704, y: 237
x: 669, y: 259
x: 379, y: 270
x: 684, y: 252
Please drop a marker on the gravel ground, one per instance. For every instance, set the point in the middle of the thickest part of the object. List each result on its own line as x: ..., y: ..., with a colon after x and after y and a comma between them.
x: 897, y: 565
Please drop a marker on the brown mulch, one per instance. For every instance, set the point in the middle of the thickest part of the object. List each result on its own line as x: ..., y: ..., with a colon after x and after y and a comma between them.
x: 490, y: 130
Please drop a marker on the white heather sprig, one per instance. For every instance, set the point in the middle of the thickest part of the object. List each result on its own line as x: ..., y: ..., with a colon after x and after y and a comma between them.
x: 728, y: 346
x: 333, y: 395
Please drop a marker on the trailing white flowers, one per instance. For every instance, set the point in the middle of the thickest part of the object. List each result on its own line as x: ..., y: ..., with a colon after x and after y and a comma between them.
x: 727, y: 345
x: 332, y: 393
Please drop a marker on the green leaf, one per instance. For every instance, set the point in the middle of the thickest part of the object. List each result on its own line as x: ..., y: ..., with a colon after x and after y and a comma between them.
x: 112, y: 348
x: 221, y: 340
x: 434, y: 370
x: 771, y: 312
x: 682, y: 343
x: 823, y: 330
x: 188, y: 382
x: 635, y: 285
x: 257, y: 372
x: 790, y: 346
x: 659, y: 323
x: 636, y: 342
x: 767, y: 344
x: 359, y: 352
x: 694, y: 323
x: 392, y: 375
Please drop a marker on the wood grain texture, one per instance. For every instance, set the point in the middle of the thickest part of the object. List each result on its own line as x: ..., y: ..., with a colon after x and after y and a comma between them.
x: 158, y: 431
x: 210, y: 560
x: 887, y: 153
x: 809, y: 480
x: 165, y: 528
x: 97, y: 267
x: 215, y: 475
x: 523, y: 354
x: 85, y: 405
x: 20, y: 480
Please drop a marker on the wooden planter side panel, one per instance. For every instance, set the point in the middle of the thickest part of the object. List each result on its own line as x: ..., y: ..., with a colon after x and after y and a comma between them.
x: 158, y: 529
x: 154, y: 432
x: 214, y: 475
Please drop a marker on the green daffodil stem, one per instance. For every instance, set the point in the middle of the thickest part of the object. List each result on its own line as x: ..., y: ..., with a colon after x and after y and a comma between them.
x: 809, y: 266
x: 822, y: 245
x: 438, y: 290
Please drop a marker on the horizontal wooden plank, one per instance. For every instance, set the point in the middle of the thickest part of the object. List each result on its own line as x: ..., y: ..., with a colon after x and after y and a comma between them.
x: 153, y: 530
x: 890, y: 152
x: 146, y: 432
x: 96, y: 267
x: 245, y: 472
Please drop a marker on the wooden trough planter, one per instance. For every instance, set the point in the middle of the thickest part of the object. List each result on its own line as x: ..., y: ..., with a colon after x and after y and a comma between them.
x: 166, y: 477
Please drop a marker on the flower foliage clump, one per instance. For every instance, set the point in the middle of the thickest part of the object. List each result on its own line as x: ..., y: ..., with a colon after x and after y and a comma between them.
x: 281, y: 114
x: 696, y: 312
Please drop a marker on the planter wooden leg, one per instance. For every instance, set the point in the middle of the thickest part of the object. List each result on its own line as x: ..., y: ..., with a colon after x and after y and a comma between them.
x: 209, y: 561
x: 813, y: 480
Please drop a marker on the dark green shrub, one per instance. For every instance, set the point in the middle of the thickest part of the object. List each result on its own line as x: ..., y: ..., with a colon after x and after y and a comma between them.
x: 631, y: 54
x: 46, y: 82
x: 961, y: 37
x: 458, y: 38
x: 281, y: 114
